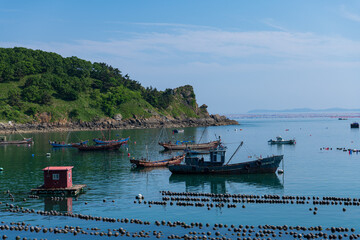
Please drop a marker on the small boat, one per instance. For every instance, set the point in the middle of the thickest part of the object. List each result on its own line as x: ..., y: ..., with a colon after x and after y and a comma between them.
x: 178, y: 130
x: 120, y: 140
x: 341, y: 118
x: 99, y: 147
x: 280, y: 140
x: 160, y: 163
x: 182, y: 145
x: 216, y: 164
x: 62, y: 144
x: 24, y: 141
x: 354, y: 125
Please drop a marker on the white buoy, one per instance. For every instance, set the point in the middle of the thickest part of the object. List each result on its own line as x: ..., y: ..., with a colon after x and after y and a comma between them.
x: 48, y: 154
x: 280, y: 171
x: 1, y: 169
x: 139, y: 196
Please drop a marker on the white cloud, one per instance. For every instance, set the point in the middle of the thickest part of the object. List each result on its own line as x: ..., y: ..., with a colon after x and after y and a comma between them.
x: 349, y: 15
x: 221, y: 46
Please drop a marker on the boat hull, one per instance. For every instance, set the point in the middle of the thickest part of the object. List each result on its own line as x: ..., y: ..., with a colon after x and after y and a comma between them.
x: 25, y: 141
x: 160, y: 163
x: 105, y: 147
x: 58, y: 145
x: 199, y: 146
x: 263, y: 165
x: 282, y: 142
x: 123, y: 140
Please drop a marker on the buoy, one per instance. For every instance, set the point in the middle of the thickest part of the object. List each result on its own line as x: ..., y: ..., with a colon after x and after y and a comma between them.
x: 1, y: 169
x: 33, y: 155
x: 139, y: 196
x: 280, y: 171
x: 128, y: 154
x: 48, y: 154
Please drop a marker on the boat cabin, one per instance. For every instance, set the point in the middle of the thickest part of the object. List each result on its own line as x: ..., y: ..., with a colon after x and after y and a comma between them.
x: 217, y: 158
x: 58, y: 177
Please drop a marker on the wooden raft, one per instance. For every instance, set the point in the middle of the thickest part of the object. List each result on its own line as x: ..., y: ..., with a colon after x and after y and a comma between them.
x: 71, y: 191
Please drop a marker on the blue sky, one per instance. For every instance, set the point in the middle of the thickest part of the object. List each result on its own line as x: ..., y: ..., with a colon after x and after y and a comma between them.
x: 238, y: 55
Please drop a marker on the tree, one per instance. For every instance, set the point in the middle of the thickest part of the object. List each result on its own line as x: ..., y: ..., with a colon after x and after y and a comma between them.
x: 14, y: 98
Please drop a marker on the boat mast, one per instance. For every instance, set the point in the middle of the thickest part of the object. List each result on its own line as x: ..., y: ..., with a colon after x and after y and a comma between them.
x: 235, y: 152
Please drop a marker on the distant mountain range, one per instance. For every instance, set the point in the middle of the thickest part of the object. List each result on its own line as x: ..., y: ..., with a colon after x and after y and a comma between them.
x: 305, y: 110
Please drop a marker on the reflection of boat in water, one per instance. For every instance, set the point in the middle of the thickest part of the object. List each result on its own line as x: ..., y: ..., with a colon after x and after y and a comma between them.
x: 149, y: 169
x: 218, y: 182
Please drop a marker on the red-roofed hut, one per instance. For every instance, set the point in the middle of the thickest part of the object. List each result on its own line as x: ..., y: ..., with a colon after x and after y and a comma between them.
x: 58, y: 177
x: 58, y: 181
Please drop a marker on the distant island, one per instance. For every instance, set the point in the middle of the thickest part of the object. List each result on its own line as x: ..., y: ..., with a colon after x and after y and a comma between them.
x: 305, y: 110
x: 44, y: 91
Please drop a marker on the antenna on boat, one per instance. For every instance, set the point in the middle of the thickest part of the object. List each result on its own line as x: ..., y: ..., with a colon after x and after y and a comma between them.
x: 235, y: 152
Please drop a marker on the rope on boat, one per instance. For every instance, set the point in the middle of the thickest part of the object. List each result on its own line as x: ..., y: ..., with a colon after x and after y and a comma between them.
x: 202, y: 134
x: 235, y: 152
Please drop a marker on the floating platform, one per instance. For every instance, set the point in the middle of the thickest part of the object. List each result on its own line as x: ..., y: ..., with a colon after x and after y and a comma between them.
x: 70, y: 191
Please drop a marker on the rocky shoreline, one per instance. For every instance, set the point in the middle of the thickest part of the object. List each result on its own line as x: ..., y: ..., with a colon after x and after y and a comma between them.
x: 133, y: 123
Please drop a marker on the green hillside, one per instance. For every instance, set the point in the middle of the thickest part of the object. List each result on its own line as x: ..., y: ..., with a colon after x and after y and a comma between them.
x: 38, y: 86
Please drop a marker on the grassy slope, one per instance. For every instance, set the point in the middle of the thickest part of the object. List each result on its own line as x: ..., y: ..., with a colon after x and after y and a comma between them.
x: 59, y: 109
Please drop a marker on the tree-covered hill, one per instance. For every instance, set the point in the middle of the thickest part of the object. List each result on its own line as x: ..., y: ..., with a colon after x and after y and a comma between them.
x: 43, y: 86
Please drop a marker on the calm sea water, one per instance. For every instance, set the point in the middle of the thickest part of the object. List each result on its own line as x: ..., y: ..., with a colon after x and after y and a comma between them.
x: 309, y: 171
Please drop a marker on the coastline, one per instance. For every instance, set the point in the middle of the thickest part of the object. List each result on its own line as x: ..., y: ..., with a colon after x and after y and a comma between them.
x: 133, y: 123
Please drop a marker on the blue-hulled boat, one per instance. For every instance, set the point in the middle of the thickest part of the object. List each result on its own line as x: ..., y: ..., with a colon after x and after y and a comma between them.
x: 59, y: 144
x: 120, y: 140
x: 216, y: 164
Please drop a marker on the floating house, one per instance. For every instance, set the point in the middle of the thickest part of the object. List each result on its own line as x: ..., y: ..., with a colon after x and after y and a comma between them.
x: 58, y: 181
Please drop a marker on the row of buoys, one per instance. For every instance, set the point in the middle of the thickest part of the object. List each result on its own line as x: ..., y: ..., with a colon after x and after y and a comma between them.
x: 232, y: 228
x: 218, y: 197
x: 219, y: 231
x: 187, y: 199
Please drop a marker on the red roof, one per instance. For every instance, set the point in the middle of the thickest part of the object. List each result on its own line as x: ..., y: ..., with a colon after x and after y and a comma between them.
x: 59, y: 168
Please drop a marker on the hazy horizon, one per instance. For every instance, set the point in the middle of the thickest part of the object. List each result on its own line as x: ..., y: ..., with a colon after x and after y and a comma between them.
x: 238, y: 55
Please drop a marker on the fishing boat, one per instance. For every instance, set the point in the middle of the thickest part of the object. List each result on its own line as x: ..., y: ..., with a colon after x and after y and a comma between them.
x: 178, y: 130
x: 280, y: 140
x: 3, y: 141
x: 354, y: 125
x: 182, y: 145
x: 99, y: 147
x: 62, y: 144
x: 159, y: 163
x: 120, y: 140
x: 216, y: 164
